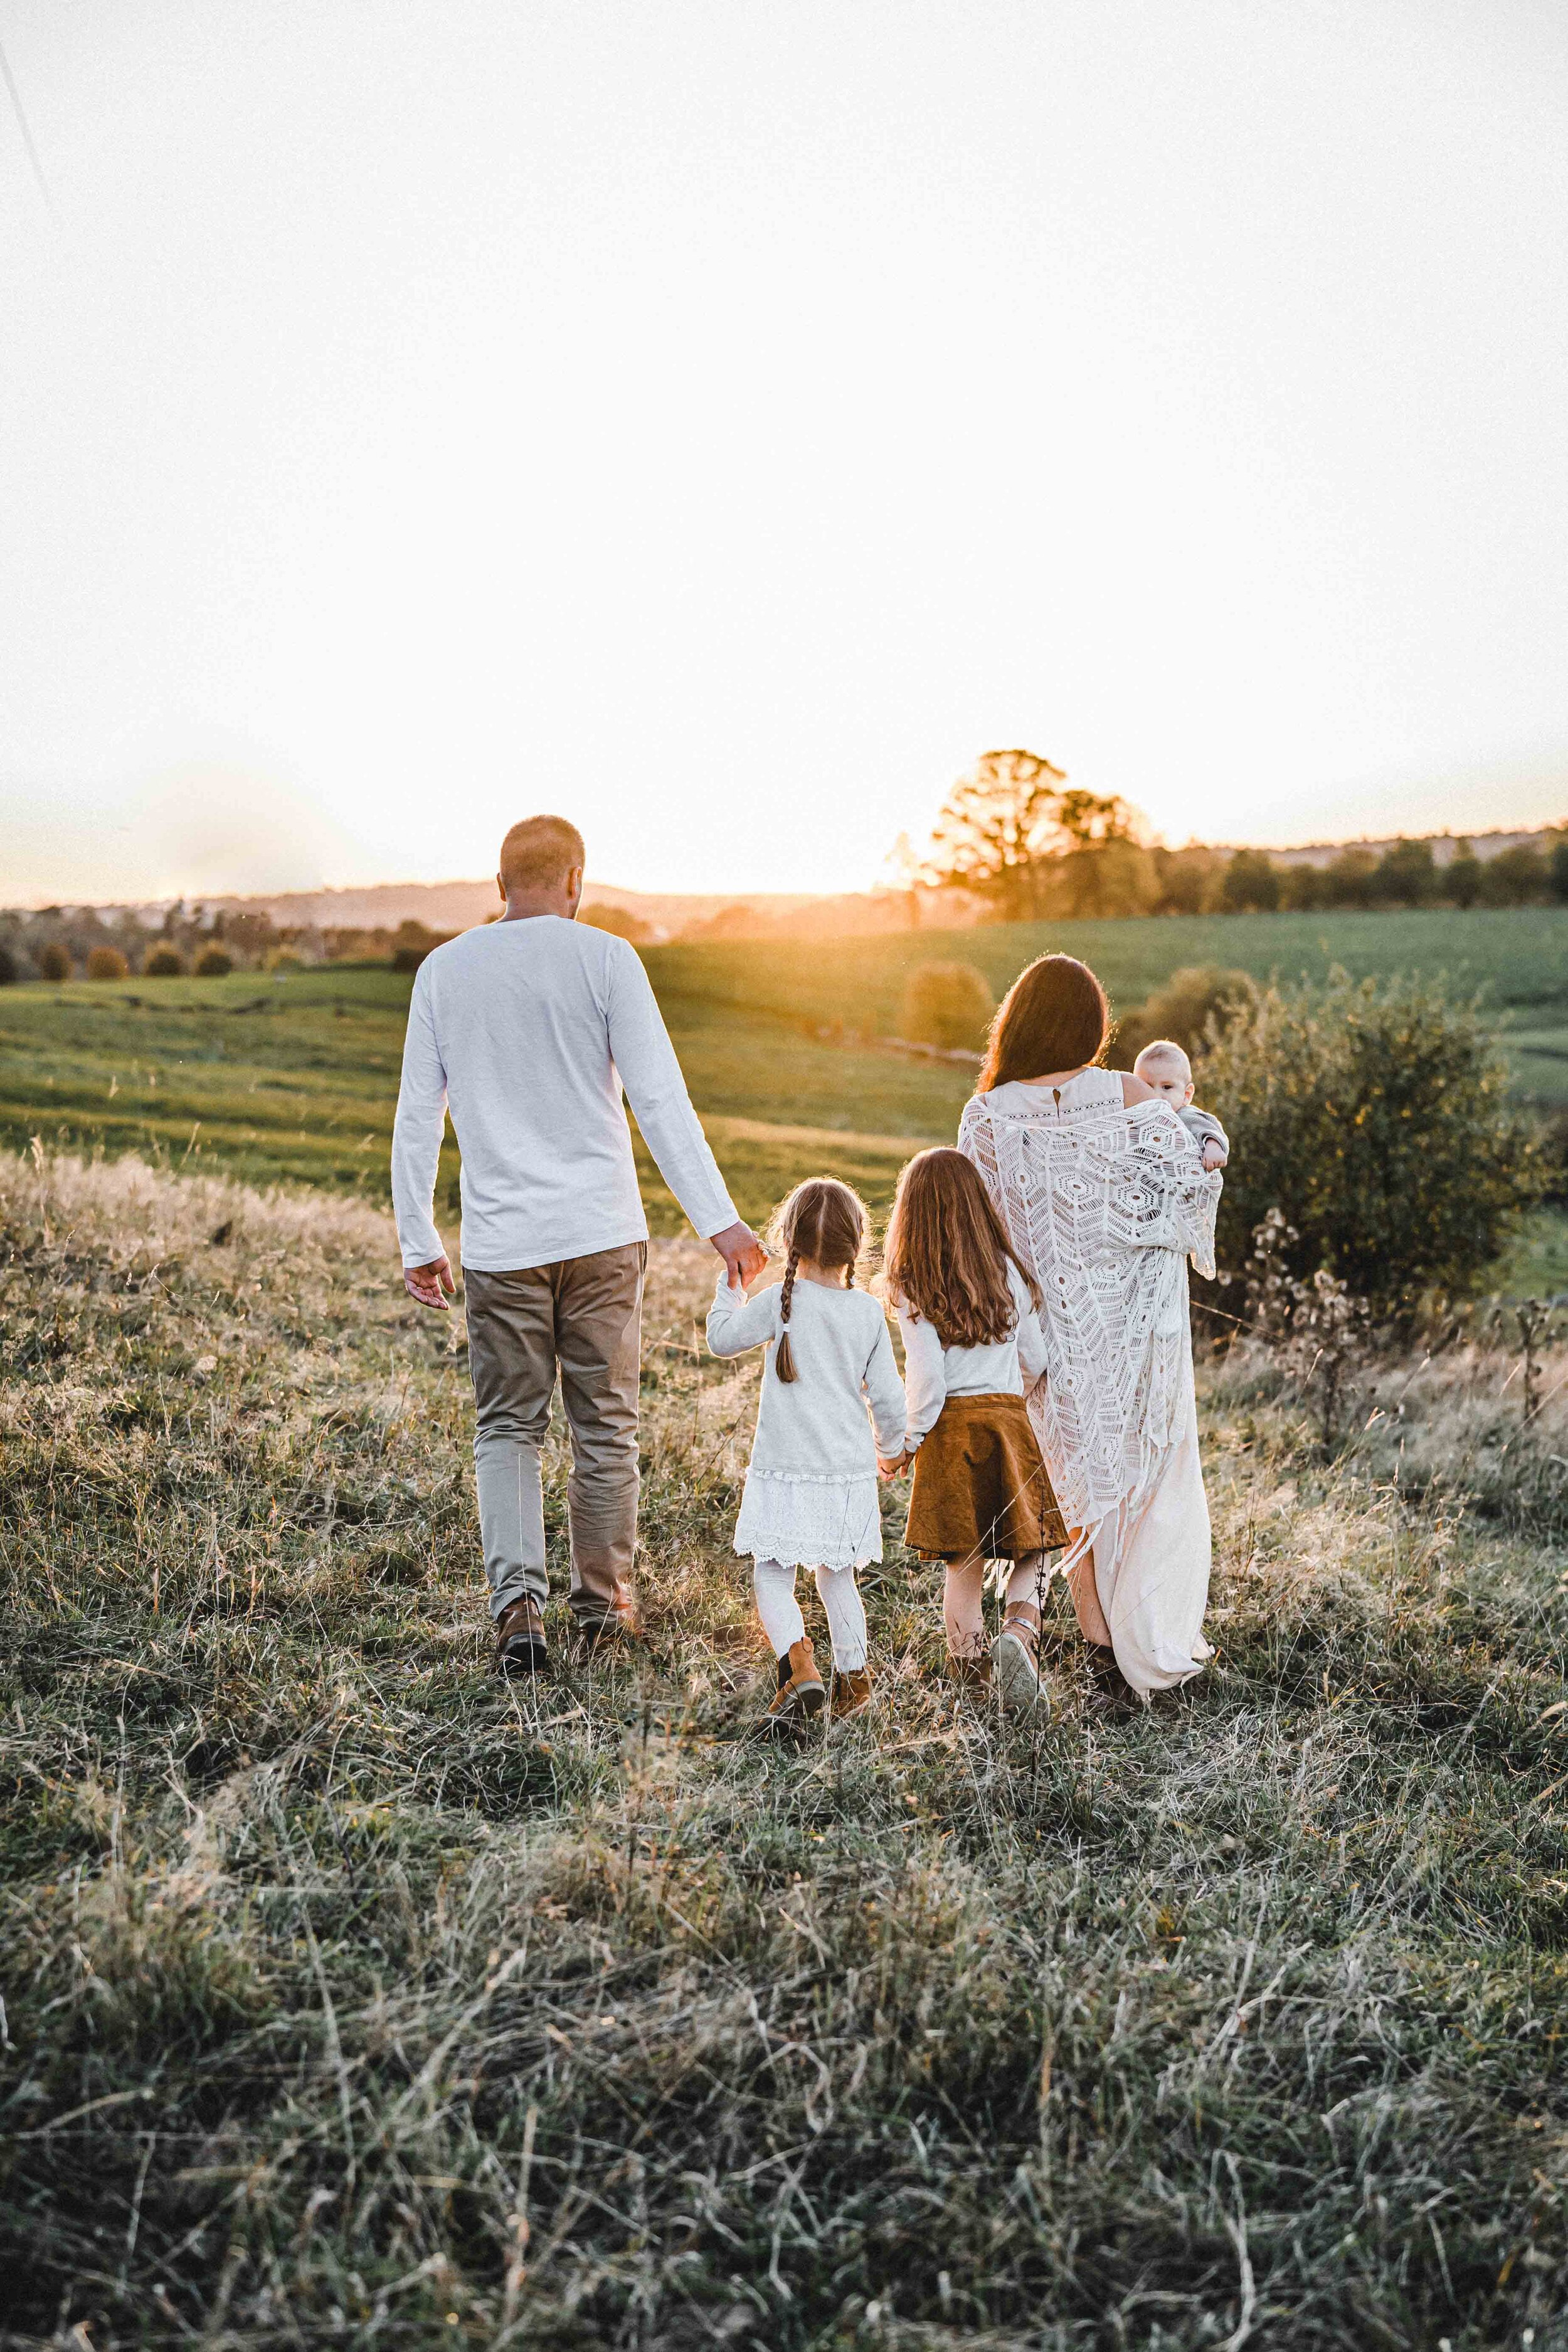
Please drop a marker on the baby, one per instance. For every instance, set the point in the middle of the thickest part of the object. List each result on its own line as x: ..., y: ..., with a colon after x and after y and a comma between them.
x: 1166, y: 1068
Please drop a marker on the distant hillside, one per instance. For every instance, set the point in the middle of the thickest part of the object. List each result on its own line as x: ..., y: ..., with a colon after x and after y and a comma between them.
x: 457, y: 905
x: 664, y: 916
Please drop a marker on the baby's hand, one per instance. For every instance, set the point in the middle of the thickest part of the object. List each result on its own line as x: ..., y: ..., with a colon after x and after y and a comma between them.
x: 1214, y: 1156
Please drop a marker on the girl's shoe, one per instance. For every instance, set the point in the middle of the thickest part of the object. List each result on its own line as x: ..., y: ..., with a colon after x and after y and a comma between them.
x: 800, y: 1695
x: 1015, y: 1665
x: 851, y: 1693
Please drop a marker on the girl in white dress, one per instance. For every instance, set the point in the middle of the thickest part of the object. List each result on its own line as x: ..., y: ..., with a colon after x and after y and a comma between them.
x: 1104, y: 1196
x: 811, y: 1498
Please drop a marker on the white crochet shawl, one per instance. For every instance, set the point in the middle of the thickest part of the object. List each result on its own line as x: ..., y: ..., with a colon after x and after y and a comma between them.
x: 1104, y: 1206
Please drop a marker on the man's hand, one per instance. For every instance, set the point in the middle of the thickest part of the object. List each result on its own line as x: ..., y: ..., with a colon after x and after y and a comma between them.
x: 1214, y: 1156
x: 741, y: 1251
x: 432, y: 1284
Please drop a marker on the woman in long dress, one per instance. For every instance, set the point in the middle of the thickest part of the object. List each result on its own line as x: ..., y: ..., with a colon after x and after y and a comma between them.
x: 1104, y: 1197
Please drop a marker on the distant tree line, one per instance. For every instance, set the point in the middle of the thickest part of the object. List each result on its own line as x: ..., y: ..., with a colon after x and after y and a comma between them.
x: 1025, y: 847
x: 59, y: 943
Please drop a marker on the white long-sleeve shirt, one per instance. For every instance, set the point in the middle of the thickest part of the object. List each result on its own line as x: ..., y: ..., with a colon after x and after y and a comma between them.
x: 527, y: 1031
x: 932, y: 1373
x: 815, y: 1426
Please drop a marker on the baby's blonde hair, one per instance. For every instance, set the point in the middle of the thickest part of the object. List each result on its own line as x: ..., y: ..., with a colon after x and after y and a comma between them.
x: 1165, y: 1049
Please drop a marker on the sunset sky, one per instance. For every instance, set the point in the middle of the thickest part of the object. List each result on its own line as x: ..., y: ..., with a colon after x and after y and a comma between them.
x: 719, y: 422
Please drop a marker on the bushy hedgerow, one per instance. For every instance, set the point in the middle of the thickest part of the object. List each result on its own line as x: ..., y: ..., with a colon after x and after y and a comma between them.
x: 164, y: 963
x: 1181, y: 1010
x: 212, y: 964
x: 106, y: 964
x: 947, y: 1005
x: 1375, y: 1116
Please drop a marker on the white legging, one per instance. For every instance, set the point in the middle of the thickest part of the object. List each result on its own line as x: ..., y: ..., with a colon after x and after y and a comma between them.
x: 773, y: 1585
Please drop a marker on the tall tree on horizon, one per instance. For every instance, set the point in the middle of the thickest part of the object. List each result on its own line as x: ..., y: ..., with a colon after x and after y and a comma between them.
x: 995, y: 825
x: 1007, y: 826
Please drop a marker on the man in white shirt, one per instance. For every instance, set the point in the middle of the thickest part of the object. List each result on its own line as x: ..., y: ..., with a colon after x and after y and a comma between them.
x: 526, y: 1030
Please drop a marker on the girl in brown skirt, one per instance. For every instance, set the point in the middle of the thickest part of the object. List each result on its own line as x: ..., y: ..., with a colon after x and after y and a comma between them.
x: 970, y: 1317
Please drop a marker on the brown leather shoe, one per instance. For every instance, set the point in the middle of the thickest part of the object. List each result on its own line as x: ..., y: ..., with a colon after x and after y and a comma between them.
x: 519, y: 1638
x: 800, y: 1696
x: 851, y: 1693
x: 608, y: 1632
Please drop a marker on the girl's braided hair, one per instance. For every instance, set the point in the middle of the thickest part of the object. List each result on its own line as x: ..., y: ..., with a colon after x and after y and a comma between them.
x: 822, y: 1220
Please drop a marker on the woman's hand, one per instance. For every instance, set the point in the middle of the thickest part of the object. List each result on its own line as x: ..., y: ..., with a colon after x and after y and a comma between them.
x: 890, y: 1465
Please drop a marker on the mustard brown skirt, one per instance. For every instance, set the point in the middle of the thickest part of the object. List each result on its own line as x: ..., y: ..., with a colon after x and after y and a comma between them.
x: 980, y: 1485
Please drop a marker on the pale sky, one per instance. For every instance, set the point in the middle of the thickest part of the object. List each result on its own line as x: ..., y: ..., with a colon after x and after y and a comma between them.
x: 721, y: 422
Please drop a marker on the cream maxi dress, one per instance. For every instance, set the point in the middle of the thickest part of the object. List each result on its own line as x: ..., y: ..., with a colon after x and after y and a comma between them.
x: 1105, y: 1205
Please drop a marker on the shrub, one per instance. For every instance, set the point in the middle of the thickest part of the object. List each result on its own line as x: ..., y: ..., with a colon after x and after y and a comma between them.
x: 1462, y: 877
x: 1375, y: 1116
x: 1300, y: 888
x: 8, y: 974
x: 1406, y: 876
x: 1250, y: 884
x: 164, y: 963
x: 947, y: 1005
x: 213, y: 963
x: 1181, y: 1010
x: 1515, y: 877
x: 106, y: 964
x: 54, y: 961
x: 1347, y: 879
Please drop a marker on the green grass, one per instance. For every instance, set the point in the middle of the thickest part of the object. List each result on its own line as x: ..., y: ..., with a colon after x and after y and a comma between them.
x: 294, y: 1076
x: 353, y: 1999
x: 1518, y: 958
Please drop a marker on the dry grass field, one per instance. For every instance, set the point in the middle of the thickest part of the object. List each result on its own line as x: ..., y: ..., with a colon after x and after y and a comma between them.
x: 354, y: 1997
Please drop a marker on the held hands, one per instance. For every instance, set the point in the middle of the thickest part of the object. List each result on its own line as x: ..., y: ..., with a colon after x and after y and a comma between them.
x: 431, y: 1285
x: 1214, y: 1156
x: 744, y: 1254
x: 891, y: 1466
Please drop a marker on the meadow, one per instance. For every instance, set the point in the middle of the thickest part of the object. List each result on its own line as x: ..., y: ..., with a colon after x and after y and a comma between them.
x: 355, y: 1997
x: 292, y: 1075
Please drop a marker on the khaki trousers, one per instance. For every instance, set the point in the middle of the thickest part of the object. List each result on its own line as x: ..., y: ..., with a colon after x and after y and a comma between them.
x: 582, y: 1316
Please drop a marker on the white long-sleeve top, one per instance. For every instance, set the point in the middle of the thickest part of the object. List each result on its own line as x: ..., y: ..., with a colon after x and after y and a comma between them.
x: 527, y: 1031
x: 932, y: 1373
x: 816, y: 1426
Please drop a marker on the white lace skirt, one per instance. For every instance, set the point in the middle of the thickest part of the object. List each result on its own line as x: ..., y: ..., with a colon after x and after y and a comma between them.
x: 806, y: 1522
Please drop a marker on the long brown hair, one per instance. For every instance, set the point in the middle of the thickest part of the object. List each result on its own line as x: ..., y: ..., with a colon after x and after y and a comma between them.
x: 947, y: 1252
x: 1054, y: 1017
x: 822, y: 1220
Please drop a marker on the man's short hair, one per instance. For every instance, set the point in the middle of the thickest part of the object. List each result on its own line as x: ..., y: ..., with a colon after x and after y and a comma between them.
x: 538, y: 852
x: 1165, y: 1049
